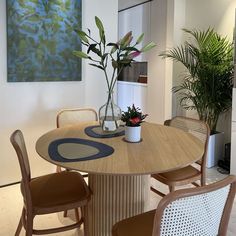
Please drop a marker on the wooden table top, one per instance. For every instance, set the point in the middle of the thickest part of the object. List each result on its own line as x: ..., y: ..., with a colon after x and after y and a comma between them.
x: 162, y: 149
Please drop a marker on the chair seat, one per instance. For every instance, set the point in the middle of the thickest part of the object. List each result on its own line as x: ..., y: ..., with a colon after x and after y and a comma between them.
x: 199, y: 162
x: 57, y: 189
x: 140, y: 225
x: 179, y: 175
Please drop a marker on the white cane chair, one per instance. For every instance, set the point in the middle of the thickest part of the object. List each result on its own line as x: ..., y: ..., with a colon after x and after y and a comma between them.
x: 187, y: 212
x: 68, y: 117
x: 189, y: 174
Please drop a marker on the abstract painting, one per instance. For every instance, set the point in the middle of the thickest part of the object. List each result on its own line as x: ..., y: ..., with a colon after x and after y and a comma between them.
x: 41, y: 38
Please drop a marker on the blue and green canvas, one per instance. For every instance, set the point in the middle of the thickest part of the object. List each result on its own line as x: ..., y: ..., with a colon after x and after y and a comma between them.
x: 41, y: 39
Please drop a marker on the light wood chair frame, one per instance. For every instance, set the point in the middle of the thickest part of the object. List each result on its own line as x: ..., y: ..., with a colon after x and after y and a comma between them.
x: 74, y: 109
x: 71, y: 110
x: 184, y: 193
x: 59, y: 169
x: 202, y: 163
x: 29, y: 211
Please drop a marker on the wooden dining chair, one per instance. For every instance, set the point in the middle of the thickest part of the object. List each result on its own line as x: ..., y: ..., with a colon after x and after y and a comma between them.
x: 189, y: 174
x: 197, y: 211
x: 49, y: 193
x: 68, y: 117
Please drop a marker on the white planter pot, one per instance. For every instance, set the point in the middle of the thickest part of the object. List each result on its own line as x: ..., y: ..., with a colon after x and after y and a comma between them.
x: 215, y: 150
x: 133, y: 134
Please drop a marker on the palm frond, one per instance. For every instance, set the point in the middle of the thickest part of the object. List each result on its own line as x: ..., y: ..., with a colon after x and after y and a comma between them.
x: 207, y: 87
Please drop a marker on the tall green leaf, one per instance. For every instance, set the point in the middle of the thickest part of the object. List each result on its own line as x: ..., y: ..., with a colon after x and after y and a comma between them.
x: 101, y: 29
x: 81, y: 54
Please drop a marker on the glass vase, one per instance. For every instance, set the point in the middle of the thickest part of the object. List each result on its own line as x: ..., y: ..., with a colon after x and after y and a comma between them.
x: 109, y: 115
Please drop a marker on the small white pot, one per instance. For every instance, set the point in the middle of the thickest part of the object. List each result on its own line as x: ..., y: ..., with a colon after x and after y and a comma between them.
x: 133, y: 134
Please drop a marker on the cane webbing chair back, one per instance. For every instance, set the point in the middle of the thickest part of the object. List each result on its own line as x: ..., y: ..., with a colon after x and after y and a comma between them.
x: 69, y: 117
x: 197, y: 211
x: 50, y: 193
x: 200, y: 214
x: 195, y: 127
x: 189, y: 174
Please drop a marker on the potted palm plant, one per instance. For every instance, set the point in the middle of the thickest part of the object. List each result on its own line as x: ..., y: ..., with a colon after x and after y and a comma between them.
x: 207, y: 84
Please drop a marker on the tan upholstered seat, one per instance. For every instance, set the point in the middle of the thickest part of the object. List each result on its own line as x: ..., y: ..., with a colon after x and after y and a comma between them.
x: 49, y: 193
x: 189, y: 174
x: 137, y: 225
x: 178, y: 177
x: 195, y: 211
x: 46, y: 191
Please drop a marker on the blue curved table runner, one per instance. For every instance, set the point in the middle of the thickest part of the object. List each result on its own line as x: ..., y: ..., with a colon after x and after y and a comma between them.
x: 103, y: 150
x: 90, y: 132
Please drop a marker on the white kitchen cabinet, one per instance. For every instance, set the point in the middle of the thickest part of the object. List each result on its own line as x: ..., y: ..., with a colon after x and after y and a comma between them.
x: 129, y: 93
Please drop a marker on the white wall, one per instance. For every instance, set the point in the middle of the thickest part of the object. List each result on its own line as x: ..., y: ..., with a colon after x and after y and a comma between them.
x: 32, y: 107
x: 215, y: 13
x: 179, y: 18
x: 160, y: 70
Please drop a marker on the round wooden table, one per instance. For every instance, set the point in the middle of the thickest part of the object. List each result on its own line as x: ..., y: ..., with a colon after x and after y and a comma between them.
x: 120, y: 182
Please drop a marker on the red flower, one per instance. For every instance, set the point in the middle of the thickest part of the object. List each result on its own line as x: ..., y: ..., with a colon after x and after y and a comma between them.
x: 133, y: 117
x: 135, y: 120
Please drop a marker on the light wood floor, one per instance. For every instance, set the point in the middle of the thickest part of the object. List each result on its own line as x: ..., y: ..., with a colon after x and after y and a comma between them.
x: 11, y: 203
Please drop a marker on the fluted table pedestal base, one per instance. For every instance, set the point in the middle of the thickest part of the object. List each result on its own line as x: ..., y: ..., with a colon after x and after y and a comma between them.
x: 115, y: 198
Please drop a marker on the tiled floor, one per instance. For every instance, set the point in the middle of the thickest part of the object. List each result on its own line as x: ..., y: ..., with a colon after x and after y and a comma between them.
x: 11, y: 203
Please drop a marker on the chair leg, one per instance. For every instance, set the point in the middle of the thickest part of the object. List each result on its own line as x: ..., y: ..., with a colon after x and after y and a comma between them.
x: 203, y: 181
x: 29, y: 225
x: 77, y: 215
x: 157, y: 192
x: 22, y: 222
x: 171, y: 188
x: 58, y: 170
x: 84, y: 210
x: 65, y: 213
x: 19, y: 227
x: 195, y: 184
